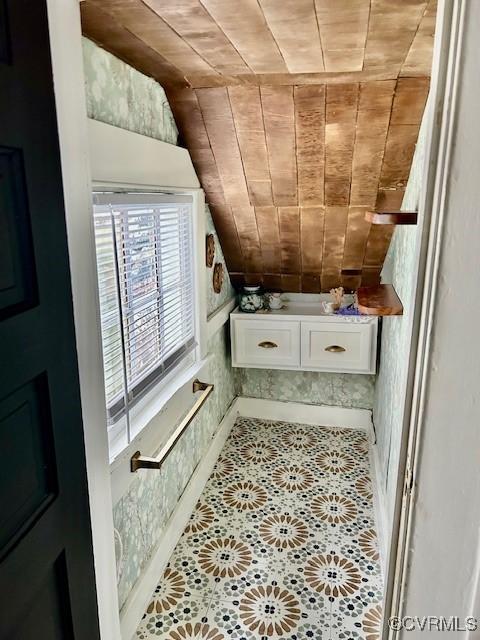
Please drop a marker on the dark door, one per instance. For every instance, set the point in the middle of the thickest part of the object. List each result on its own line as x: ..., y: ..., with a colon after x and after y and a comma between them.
x: 47, y: 588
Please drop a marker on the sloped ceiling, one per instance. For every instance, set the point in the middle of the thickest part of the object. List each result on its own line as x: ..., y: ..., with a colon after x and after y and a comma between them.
x: 299, y: 115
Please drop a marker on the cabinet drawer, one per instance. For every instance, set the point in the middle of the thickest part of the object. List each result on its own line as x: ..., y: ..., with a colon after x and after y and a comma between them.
x: 338, y: 347
x: 258, y: 343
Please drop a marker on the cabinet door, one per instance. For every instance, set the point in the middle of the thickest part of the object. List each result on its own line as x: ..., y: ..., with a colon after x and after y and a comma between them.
x: 341, y: 347
x: 260, y: 343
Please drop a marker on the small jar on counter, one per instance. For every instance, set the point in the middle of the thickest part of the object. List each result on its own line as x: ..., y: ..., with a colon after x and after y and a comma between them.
x: 251, y: 299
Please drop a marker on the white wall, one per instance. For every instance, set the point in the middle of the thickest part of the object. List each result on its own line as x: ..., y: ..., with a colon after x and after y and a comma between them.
x: 443, y: 556
x: 65, y: 37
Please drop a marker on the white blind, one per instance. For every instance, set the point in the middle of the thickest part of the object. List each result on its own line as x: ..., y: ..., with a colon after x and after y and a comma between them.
x: 145, y: 276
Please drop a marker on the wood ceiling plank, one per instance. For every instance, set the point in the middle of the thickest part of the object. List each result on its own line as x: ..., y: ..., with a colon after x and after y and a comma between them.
x: 291, y: 283
x: 375, y: 105
x: 351, y: 281
x: 289, y: 224
x: 377, y: 244
x: 371, y: 276
x: 246, y: 224
x: 140, y: 20
x: 356, y: 238
x: 188, y: 117
x: 217, y: 115
x: 279, y: 119
x: 407, y: 112
x: 391, y: 30
x: 103, y: 29
x: 312, y: 222
x: 333, y: 246
x: 247, y: 30
x: 310, y: 283
x: 419, y: 59
x: 207, y: 171
x: 269, y: 233
x: 227, y: 233
x: 237, y: 279
x: 255, y: 279
x: 310, y: 143
x: 344, y: 59
x: 399, y: 150
x: 410, y: 99
x: 389, y: 199
x: 260, y: 191
x: 198, y: 81
x: 343, y: 28
x: 272, y: 282
x: 248, y: 118
x: 300, y: 46
x: 195, y: 25
x: 341, y: 115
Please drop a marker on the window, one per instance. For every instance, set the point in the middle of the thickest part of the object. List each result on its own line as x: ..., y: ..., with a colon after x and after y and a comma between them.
x: 144, y: 249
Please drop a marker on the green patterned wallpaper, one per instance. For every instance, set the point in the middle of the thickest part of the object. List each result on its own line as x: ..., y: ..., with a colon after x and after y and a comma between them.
x: 216, y: 300
x: 121, y: 96
x: 332, y: 389
x: 400, y: 268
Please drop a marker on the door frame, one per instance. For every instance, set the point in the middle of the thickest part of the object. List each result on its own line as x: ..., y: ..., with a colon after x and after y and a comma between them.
x: 67, y: 63
x: 441, y: 125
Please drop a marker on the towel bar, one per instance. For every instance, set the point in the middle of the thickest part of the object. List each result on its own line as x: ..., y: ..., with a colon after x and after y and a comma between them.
x: 137, y: 461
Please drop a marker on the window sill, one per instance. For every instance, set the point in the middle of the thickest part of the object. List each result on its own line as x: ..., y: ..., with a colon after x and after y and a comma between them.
x: 155, y: 419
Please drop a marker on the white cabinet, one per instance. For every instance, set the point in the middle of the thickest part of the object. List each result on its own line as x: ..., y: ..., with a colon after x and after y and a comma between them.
x: 263, y: 344
x: 301, y: 338
x: 337, y: 347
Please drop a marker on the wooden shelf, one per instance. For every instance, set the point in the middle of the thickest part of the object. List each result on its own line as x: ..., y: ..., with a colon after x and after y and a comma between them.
x: 381, y: 300
x: 391, y: 217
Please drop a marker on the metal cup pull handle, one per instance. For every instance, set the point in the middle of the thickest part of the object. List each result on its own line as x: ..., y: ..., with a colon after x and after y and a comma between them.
x: 335, y: 348
x: 267, y: 344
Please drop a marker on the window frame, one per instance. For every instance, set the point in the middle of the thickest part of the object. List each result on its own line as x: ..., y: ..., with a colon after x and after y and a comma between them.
x: 125, y: 399
x: 155, y: 397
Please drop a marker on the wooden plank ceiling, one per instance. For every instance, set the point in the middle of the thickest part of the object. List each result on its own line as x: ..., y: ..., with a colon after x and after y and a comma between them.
x: 299, y: 115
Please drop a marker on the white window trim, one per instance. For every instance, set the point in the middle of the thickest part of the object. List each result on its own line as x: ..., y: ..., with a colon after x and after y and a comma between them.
x: 128, y: 161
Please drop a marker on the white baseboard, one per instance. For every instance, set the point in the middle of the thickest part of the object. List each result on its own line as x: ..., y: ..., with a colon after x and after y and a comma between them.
x: 139, y: 598
x: 305, y: 413
x: 380, y: 506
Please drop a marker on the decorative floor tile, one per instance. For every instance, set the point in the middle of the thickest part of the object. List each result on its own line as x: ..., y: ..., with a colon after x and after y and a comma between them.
x: 160, y: 622
x: 282, y: 544
x: 270, y: 611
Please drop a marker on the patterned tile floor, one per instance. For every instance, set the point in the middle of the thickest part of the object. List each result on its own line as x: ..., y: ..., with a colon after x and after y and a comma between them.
x: 282, y: 543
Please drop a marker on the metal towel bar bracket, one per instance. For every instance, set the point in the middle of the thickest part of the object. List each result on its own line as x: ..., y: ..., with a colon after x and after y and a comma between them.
x: 137, y: 461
